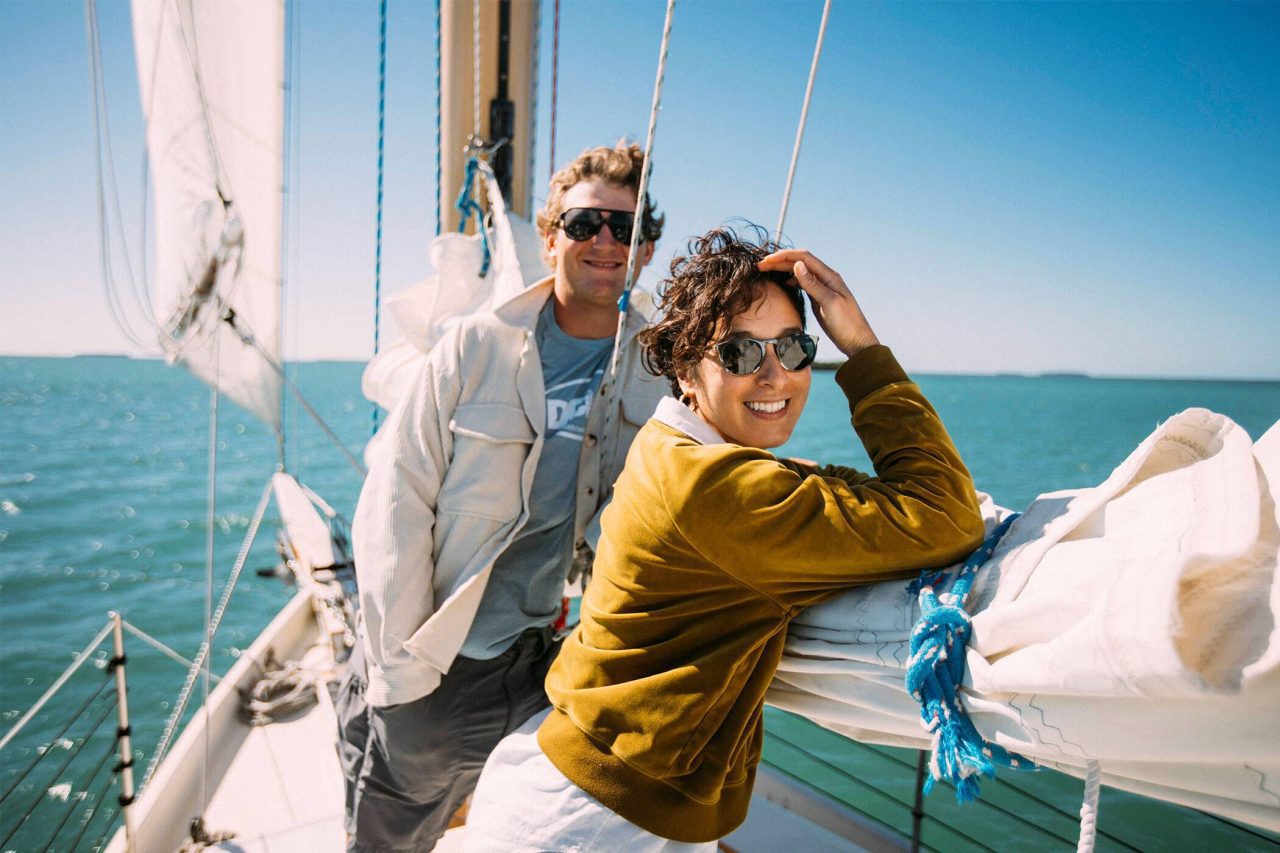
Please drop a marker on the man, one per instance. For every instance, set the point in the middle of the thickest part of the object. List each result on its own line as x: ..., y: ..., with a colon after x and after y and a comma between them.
x: 484, y: 487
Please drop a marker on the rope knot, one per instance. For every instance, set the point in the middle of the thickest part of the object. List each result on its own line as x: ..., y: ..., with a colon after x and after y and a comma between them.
x: 935, y: 673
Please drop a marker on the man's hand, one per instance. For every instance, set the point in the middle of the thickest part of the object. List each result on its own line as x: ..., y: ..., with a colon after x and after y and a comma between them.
x: 834, y: 306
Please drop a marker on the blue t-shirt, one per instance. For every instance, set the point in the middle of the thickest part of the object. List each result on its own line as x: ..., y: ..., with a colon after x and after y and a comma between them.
x: 527, y: 581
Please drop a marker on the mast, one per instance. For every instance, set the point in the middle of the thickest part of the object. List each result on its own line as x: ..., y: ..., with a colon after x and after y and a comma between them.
x: 507, y: 96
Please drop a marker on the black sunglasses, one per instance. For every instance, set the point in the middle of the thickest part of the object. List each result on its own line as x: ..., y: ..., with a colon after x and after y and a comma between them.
x: 583, y: 223
x: 743, y: 356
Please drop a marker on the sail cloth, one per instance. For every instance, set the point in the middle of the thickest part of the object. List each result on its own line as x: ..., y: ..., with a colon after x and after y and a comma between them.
x: 211, y: 78
x: 1134, y: 623
x: 425, y: 311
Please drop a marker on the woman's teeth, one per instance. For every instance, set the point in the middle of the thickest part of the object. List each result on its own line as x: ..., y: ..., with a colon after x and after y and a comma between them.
x: 767, y: 408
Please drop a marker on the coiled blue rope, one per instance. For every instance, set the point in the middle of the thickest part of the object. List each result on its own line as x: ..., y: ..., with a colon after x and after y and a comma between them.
x: 935, y: 671
x: 467, y: 205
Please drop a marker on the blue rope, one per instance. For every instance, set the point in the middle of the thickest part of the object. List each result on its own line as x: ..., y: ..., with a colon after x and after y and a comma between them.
x: 382, y: 128
x: 467, y: 205
x: 935, y: 671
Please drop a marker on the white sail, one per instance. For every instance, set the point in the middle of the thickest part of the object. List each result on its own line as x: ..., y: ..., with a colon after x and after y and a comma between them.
x: 1134, y: 624
x: 211, y: 76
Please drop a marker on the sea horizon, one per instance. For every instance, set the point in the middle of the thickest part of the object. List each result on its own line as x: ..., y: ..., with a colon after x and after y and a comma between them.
x: 821, y: 365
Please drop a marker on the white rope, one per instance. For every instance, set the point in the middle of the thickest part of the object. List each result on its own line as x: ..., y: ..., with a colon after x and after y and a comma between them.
x: 475, y: 69
x: 638, y: 223
x: 1089, y: 807
x: 804, y: 116
x: 184, y: 695
x: 168, y: 651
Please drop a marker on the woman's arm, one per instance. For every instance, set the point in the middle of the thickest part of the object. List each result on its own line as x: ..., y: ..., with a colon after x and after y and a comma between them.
x: 797, y: 537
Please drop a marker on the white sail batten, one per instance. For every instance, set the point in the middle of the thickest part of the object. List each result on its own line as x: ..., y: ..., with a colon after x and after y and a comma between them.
x: 211, y: 78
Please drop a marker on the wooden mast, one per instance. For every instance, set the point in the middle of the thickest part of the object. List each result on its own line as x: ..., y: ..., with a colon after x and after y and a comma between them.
x: 518, y: 21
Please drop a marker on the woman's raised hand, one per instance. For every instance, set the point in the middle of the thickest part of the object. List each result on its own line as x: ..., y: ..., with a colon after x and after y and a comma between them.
x: 834, y: 306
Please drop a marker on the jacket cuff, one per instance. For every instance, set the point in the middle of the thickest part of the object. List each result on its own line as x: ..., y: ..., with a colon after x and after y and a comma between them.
x: 868, y: 371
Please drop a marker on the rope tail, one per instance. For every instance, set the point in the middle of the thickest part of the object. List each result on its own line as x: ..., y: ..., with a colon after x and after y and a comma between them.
x: 935, y: 672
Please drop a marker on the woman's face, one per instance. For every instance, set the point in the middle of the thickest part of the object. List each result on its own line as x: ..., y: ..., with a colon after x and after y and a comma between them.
x: 762, y: 409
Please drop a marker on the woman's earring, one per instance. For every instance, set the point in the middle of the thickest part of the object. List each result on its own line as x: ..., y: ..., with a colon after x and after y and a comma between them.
x: 689, y: 400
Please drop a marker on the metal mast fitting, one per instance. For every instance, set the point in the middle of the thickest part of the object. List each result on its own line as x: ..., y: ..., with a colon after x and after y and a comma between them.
x: 507, y: 96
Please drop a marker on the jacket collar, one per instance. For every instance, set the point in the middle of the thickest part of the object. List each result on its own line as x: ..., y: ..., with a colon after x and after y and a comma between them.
x: 677, y: 415
x: 523, y: 308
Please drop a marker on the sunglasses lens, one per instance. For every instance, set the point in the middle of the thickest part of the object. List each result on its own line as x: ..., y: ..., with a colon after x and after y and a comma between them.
x: 581, y: 223
x: 741, y: 357
x: 796, y: 352
x: 620, y: 226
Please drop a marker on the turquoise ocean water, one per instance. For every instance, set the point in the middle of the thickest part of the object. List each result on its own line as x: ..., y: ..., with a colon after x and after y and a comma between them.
x: 103, y: 484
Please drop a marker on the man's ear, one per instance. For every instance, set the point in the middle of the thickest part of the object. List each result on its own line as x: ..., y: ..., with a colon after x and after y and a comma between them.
x: 549, y: 248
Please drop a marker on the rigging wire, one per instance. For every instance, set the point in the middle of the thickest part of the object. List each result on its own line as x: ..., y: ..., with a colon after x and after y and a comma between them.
x: 108, y: 707
x: 249, y: 339
x: 111, y: 748
x: 555, y: 88
x: 167, y: 651
x: 804, y: 116
x: 439, y: 131
x: 108, y: 195
x: 93, y: 812
x: 642, y: 193
x: 212, y: 502
x: 78, y: 662
x: 40, y: 756
x: 184, y: 695
x: 382, y: 134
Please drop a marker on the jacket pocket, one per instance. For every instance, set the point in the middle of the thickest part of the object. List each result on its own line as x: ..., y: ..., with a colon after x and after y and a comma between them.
x: 491, y: 442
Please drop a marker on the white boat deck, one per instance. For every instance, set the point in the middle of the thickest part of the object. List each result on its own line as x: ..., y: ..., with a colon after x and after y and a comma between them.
x: 283, y: 792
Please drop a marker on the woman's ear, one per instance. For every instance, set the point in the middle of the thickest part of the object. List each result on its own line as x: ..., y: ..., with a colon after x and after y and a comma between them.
x: 688, y: 391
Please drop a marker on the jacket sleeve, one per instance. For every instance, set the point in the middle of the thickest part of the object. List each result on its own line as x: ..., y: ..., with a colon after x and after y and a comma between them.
x: 796, y: 538
x: 393, y: 527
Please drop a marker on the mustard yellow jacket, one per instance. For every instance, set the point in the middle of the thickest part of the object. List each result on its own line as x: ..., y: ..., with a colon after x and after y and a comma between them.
x: 708, y: 551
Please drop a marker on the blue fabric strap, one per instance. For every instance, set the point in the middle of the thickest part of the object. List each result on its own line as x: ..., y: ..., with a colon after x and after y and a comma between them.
x: 935, y: 671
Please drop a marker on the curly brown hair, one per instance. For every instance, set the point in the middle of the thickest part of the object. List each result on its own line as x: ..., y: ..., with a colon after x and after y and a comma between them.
x: 620, y: 165
x: 717, y: 280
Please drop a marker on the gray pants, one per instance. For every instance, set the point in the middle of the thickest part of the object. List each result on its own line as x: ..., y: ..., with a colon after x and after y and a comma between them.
x: 409, y: 767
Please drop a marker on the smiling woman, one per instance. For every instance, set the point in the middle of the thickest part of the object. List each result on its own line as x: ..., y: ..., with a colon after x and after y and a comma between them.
x: 709, y: 549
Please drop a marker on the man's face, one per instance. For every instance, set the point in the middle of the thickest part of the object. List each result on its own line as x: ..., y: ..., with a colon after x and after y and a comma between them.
x: 590, y: 274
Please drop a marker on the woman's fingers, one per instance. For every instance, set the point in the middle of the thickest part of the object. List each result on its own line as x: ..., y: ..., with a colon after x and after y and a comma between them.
x: 791, y: 260
x: 834, y: 305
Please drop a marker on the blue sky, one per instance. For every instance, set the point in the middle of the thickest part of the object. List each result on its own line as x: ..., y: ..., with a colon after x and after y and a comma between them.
x: 1007, y: 187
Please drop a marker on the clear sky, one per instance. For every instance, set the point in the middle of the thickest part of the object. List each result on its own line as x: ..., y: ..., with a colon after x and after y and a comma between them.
x: 1006, y: 186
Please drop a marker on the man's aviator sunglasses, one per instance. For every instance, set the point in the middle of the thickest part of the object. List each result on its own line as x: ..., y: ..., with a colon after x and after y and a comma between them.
x: 743, y: 356
x: 583, y: 223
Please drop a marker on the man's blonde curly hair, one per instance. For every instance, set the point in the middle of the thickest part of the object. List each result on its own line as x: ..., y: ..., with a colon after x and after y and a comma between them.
x: 620, y: 165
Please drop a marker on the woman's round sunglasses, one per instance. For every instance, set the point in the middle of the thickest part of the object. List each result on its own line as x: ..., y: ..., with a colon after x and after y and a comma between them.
x: 743, y: 356
x: 583, y: 223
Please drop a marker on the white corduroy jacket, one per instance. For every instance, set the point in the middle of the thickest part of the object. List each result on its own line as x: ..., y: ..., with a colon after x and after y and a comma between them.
x: 449, y: 480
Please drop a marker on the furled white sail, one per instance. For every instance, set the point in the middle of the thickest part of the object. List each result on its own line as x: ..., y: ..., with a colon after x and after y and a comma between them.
x: 1135, y: 624
x: 211, y: 76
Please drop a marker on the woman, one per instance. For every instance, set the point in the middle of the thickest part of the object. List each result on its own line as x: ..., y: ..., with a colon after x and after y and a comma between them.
x: 709, y: 549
